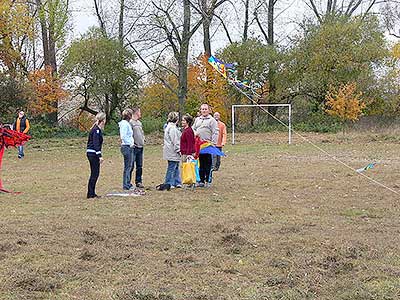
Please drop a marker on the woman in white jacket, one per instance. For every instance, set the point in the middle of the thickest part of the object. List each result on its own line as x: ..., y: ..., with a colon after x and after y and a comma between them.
x: 171, y: 151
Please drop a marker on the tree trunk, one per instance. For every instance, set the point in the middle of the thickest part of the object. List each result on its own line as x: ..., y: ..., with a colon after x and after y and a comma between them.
x: 183, y: 57
x: 45, y: 37
x: 207, y: 36
x: 246, y: 21
x: 271, y: 6
x: 121, y: 22
x: 52, y: 50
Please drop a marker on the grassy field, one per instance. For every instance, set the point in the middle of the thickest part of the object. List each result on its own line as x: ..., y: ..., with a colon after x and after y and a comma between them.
x: 280, y: 222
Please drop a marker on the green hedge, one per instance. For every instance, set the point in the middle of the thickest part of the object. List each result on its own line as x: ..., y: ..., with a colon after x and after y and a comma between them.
x: 40, y: 130
x: 319, y: 122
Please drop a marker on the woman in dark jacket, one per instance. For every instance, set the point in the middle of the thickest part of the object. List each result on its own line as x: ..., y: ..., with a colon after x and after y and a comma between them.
x: 93, y: 153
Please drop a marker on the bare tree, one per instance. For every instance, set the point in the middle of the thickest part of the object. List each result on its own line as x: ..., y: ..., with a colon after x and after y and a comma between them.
x: 324, y: 9
x: 168, y: 26
x: 391, y: 17
x: 207, y: 8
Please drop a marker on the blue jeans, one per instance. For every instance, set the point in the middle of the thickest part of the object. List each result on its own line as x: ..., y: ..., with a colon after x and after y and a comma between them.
x: 127, y: 153
x: 138, y: 160
x: 21, y: 151
x: 173, y: 177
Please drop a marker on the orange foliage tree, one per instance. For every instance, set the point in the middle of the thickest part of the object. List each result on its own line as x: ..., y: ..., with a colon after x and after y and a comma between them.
x: 157, y: 100
x: 344, y: 102
x: 47, y: 91
x: 208, y: 86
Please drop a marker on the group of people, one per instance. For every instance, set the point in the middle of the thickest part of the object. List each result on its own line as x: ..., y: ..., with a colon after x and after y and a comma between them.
x: 179, y: 146
x: 132, y: 143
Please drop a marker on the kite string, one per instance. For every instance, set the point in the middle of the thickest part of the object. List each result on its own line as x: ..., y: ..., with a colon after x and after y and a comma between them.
x: 312, y: 144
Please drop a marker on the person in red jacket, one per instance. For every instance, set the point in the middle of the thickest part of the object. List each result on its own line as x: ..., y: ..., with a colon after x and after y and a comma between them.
x: 187, y: 138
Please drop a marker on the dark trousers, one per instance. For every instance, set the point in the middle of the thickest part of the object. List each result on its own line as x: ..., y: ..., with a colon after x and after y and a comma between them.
x: 205, y: 167
x: 216, y: 160
x: 138, y: 161
x: 94, y: 162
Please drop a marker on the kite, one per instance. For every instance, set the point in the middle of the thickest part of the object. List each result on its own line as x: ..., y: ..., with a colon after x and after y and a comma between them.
x: 205, y: 147
x: 230, y: 72
x: 10, y: 138
x: 218, y: 65
x: 367, y: 167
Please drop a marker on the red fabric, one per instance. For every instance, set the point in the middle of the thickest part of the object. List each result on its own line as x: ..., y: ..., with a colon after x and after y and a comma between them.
x: 187, y: 142
x: 198, y: 142
x: 12, y: 138
x: 1, y: 161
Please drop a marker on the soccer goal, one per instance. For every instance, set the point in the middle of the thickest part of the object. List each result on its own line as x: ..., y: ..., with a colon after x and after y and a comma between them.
x: 289, y: 125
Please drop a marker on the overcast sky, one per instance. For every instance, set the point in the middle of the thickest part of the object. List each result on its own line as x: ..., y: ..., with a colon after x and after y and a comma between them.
x: 83, y: 17
x: 287, y: 14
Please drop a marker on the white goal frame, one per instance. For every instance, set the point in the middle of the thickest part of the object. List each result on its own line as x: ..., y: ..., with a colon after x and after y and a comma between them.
x: 289, y: 126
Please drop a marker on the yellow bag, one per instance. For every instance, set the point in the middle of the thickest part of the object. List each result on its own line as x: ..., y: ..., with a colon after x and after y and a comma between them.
x: 188, y: 173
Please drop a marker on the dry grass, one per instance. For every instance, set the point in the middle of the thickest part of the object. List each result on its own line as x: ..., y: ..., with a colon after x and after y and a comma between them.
x: 279, y: 222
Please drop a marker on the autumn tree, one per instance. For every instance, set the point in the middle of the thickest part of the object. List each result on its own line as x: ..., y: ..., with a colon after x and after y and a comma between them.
x: 344, y: 103
x: 332, y: 54
x: 16, y: 26
x: 47, y: 91
x: 157, y: 100
x: 207, y: 87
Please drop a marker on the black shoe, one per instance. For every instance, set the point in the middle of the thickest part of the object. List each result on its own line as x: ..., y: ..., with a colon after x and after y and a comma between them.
x: 93, y: 196
x: 163, y: 187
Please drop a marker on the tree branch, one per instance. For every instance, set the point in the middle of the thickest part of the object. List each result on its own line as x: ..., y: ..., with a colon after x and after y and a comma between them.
x: 163, y: 81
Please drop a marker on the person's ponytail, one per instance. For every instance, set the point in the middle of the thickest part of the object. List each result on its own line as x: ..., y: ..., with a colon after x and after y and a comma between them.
x: 100, y: 117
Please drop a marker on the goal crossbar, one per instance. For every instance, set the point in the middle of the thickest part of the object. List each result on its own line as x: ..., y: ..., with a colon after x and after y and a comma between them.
x: 289, y: 125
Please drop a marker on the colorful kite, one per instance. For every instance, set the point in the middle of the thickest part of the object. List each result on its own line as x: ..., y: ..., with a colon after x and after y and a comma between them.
x: 218, y: 65
x: 367, y: 167
x: 205, y: 147
x: 10, y: 138
x: 230, y: 72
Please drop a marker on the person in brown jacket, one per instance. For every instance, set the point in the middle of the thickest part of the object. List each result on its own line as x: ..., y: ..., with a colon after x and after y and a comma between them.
x: 205, y: 127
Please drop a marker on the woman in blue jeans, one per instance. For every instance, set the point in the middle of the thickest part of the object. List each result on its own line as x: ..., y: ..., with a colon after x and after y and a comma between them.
x: 171, y: 151
x: 127, y: 148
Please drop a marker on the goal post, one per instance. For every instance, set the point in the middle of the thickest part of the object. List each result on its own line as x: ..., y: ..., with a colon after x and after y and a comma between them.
x: 289, y: 125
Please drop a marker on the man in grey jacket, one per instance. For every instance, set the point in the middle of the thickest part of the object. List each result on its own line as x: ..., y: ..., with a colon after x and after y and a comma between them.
x: 138, y: 137
x: 206, y: 127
